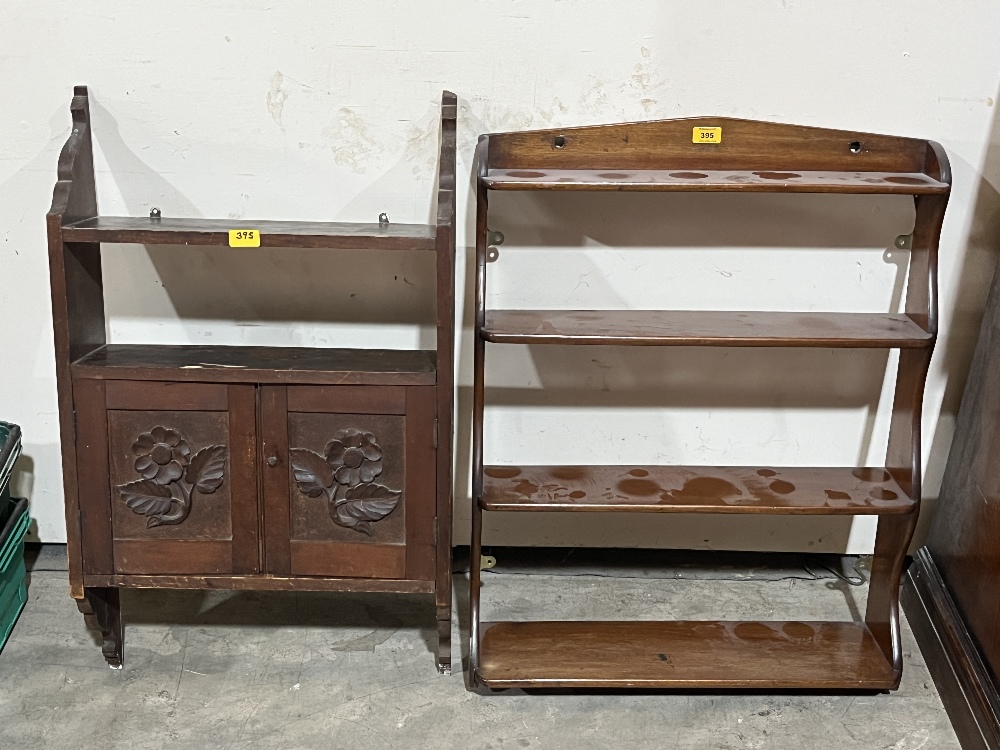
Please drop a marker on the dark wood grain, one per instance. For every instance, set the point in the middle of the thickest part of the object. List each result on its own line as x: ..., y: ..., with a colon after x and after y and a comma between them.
x: 730, y: 180
x: 93, y: 477
x: 77, y: 304
x: 308, y: 234
x: 421, y: 484
x: 964, y: 537
x: 244, y: 463
x: 101, y: 610
x: 747, y: 145
x: 166, y: 394
x: 262, y: 583
x: 258, y: 364
x: 348, y: 560
x: 694, y: 489
x: 703, y: 328
x: 274, y: 480
x: 445, y: 373
x: 350, y: 399
x: 184, y: 557
x: 962, y: 679
x: 682, y: 654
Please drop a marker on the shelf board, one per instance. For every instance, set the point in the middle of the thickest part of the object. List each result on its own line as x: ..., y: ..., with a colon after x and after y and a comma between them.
x: 704, y: 328
x: 694, y: 489
x: 258, y: 364
x: 706, y: 180
x: 311, y: 234
x: 683, y: 654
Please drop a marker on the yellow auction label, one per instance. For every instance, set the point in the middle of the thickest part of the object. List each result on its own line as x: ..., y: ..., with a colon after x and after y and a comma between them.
x: 244, y: 238
x: 706, y: 135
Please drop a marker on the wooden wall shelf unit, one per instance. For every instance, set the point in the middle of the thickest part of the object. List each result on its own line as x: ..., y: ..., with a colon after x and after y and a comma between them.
x: 246, y: 467
x: 751, y: 157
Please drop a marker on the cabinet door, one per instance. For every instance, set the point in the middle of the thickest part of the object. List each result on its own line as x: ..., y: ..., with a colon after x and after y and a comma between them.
x: 168, y: 478
x: 349, y: 480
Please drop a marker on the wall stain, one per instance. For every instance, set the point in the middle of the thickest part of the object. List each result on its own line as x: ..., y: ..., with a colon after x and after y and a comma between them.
x: 276, y: 97
x: 352, y: 144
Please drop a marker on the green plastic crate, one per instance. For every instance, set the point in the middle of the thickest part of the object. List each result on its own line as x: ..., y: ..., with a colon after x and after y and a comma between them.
x: 10, y: 449
x: 13, y: 592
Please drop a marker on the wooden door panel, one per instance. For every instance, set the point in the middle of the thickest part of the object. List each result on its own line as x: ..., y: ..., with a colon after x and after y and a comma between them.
x: 362, y: 458
x: 168, y: 475
x: 349, y: 485
x: 182, y: 462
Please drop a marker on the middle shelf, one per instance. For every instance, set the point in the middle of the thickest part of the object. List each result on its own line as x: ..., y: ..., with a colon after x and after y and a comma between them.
x: 258, y: 364
x: 694, y: 489
x: 705, y: 328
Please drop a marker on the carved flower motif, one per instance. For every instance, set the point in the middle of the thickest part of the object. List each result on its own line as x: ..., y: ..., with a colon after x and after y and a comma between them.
x: 356, y: 455
x: 162, y: 455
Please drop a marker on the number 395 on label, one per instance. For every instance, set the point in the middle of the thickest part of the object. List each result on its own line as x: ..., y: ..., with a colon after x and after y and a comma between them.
x: 244, y: 238
x: 706, y: 135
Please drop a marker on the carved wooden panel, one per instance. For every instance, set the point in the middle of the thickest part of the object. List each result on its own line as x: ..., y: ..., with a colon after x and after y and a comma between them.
x: 170, y: 475
x: 346, y: 478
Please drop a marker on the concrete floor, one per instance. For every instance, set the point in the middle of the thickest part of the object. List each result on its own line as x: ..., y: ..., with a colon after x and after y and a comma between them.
x: 290, y: 671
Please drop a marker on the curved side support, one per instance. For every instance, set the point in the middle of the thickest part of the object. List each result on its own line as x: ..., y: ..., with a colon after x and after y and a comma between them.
x: 445, y: 373
x: 101, y: 610
x: 77, y: 302
x: 75, y: 194
x: 479, y: 404
x: 903, y: 456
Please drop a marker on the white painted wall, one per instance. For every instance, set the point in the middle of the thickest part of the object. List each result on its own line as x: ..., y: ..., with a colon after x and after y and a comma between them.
x: 328, y: 111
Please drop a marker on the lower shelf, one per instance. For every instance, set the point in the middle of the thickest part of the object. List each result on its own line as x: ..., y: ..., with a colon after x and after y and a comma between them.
x: 694, y: 489
x: 683, y: 654
x: 261, y: 582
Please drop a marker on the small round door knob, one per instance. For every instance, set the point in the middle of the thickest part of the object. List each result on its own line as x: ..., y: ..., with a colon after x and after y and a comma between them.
x: 272, y: 461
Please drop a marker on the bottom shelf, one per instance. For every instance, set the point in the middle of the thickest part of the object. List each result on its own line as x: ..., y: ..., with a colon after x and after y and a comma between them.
x: 682, y: 654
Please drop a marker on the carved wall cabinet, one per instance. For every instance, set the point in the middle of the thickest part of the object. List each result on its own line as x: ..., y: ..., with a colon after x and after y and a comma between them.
x: 248, y: 467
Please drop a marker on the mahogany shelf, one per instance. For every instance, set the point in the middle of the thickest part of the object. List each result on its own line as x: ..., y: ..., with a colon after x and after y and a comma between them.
x: 710, y: 154
x: 258, y: 364
x: 704, y: 328
x: 682, y: 654
x: 686, y: 180
x: 309, y: 234
x: 694, y: 489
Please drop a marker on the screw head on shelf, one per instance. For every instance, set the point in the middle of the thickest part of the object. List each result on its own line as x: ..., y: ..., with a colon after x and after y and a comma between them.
x: 272, y: 461
x: 154, y: 213
x: 383, y: 218
x: 904, y: 241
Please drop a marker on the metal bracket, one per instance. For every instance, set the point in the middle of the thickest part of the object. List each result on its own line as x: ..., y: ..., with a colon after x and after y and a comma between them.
x: 492, y: 240
x: 486, y: 562
x: 904, y: 242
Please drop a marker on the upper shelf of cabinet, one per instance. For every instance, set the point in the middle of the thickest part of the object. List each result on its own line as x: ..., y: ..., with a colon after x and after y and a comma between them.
x: 312, y: 234
x: 74, y: 216
x: 712, y: 155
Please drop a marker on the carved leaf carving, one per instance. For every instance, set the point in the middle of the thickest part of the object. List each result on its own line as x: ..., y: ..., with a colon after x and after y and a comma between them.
x: 163, y: 458
x: 146, y: 497
x: 365, y: 503
x: 312, y: 473
x: 207, y: 469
